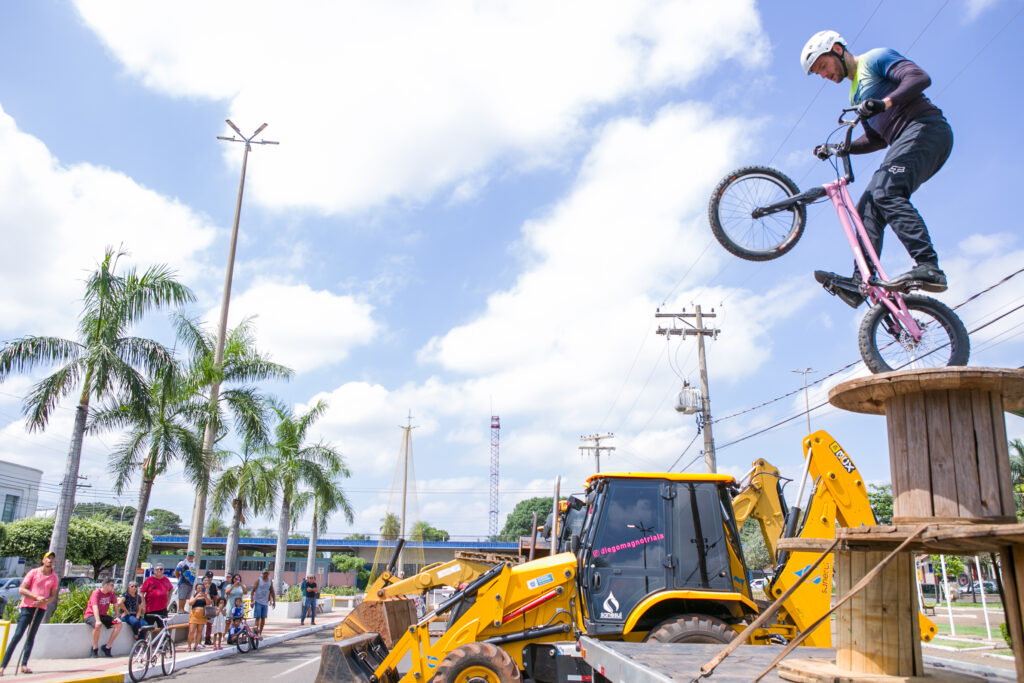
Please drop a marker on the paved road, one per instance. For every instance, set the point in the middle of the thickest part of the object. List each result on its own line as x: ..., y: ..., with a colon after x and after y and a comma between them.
x: 295, y: 661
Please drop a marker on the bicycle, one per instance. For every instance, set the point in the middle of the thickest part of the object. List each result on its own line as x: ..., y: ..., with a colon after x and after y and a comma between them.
x: 148, y: 649
x: 758, y: 214
x: 247, y: 638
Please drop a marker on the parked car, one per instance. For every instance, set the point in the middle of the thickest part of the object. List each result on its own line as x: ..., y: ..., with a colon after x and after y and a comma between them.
x: 989, y: 586
x: 757, y: 584
x: 69, y: 582
x: 9, y: 590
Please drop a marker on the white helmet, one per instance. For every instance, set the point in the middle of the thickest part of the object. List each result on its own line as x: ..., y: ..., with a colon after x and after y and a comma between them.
x: 819, y: 44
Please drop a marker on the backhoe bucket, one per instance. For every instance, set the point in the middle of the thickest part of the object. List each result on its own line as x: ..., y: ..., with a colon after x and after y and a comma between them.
x: 352, y: 660
x: 390, y: 618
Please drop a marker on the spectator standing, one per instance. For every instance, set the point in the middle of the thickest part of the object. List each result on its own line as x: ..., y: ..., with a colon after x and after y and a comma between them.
x: 129, y: 608
x: 226, y: 583
x: 212, y: 594
x: 156, y: 594
x: 97, y: 614
x: 37, y: 590
x: 186, y: 573
x: 236, y: 591
x: 262, y: 599
x: 197, y: 618
x: 310, y: 596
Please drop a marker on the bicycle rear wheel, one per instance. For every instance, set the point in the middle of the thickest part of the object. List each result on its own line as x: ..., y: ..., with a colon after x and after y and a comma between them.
x: 167, y: 656
x: 886, y: 345
x: 138, y: 660
x: 733, y: 203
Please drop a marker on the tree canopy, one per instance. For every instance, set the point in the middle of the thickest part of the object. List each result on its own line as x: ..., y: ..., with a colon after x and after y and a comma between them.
x: 94, y: 541
x: 423, y: 531
x: 164, y: 523
x: 520, y: 519
x: 880, y: 498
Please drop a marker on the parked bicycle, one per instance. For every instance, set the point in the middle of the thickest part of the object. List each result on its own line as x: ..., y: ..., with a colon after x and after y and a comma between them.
x: 758, y: 214
x: 155, y: 644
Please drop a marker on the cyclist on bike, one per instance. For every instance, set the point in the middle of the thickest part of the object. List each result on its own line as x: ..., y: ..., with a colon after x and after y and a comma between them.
x: 888, y: 88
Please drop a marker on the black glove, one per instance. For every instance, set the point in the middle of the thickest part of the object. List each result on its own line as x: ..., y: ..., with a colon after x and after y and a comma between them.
x: 869, y: 108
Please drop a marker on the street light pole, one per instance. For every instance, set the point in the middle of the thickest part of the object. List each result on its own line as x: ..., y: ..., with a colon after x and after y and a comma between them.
x: 807, y: 404
x: 195, y: 533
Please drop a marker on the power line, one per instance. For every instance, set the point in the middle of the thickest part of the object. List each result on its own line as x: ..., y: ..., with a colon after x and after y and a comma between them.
x: 978, y: 53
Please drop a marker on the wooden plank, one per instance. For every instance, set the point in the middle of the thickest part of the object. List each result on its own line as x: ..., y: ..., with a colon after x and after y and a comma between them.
x: 1002, y: 454
x: 889, y: 633
x: 918, y: 494
x: 844, y: 626
x: 970, y: 496
x: 940, y: 454
x: 988, y: 470
x: 1012, y: 604
x: 859, y: 641
x: 814, y: 670
x: 896, y: 426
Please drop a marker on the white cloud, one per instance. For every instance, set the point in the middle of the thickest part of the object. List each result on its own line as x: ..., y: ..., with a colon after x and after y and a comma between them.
x: 301, y: 327
x: 408, y: 100
x: 57, y: 221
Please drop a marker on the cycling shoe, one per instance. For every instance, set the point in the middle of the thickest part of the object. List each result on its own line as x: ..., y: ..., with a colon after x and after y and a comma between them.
x: 926, y: 276
x: 846, y: 288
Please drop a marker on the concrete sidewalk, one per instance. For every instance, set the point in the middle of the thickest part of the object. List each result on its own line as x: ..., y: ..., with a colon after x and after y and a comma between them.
x: 115, y: 669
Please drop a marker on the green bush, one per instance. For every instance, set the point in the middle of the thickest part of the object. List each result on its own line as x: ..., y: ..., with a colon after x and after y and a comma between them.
x: 71, y: 606
x: 1006, y: 634
x: 338, y: 590
x: 12, y: 609
x: 293, y: 594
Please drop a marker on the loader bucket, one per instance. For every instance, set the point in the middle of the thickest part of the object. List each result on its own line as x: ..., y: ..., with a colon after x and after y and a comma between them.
x: 352, y: 660
x: 390, y: 618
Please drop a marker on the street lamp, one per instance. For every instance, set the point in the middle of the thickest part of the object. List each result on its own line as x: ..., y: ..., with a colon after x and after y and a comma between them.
x: 807, y: 405
x: 195, y: 535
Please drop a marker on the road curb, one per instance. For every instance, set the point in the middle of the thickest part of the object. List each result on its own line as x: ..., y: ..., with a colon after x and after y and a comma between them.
x: 209, y: 656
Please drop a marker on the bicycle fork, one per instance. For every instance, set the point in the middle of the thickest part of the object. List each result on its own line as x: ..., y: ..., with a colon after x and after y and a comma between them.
x: 857, y: 236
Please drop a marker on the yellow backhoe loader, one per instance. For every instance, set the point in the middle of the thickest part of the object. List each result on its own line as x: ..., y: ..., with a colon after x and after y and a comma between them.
x: 657, y: 558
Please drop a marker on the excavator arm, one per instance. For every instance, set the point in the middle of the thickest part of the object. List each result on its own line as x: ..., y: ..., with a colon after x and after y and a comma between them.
x: 838, y: 496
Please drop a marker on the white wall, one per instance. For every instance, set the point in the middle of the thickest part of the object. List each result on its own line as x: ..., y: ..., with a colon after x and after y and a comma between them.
x: 21, y: 483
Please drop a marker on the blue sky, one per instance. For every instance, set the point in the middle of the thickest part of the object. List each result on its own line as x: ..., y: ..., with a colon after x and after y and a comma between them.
x: 478, y: 207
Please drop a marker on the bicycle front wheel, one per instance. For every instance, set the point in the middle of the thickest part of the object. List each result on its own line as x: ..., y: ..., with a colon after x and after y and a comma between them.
x: 886, y: 345
x: 242, y: 642
x: 739, y: 196
x: 167, y: 656
x: 138, y: 660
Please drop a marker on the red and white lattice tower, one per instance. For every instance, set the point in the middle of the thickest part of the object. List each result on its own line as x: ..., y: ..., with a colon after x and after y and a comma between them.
x: 495, y: 430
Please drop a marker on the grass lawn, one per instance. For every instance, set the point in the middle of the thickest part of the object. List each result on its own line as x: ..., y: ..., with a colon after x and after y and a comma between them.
x: 977, y: 631
x: 958, y: 644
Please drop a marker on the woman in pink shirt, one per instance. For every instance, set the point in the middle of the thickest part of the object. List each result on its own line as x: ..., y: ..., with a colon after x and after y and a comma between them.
x: 37, y: 590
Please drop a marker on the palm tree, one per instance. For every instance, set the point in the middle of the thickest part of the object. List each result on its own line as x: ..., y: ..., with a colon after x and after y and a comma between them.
x: 326, y: 502
x: 241, y: 364
x: 102, y: 362
x: 295, y: 465
x: 246, y: 487
x: 160, y: 430
x: 390, y: 526
x: 215, y: 526
x: 1017, y: 473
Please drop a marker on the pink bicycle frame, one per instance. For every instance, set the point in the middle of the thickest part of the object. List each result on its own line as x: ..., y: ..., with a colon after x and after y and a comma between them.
x: 854, y: 228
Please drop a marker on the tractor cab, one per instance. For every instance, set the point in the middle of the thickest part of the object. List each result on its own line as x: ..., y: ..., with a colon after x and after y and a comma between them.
x: 657, y: 545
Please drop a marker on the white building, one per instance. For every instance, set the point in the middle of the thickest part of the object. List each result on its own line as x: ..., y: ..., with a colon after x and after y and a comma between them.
x: 19, y: 493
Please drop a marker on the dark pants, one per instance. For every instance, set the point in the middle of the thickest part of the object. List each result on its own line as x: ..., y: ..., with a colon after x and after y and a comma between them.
x: 27, y: 616
x: 308, y: 607
x: 915, y: 156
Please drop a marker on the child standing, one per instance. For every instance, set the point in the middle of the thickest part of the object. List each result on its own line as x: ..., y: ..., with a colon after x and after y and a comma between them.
x: 219, y: 622
x: 236, y: 621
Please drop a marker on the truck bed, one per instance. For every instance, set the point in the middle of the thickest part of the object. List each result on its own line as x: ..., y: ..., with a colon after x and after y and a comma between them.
x: 663, y: 662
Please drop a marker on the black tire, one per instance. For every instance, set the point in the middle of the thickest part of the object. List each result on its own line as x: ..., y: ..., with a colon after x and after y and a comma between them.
x: 885, y: 347
x: 138, y: 660
x: 755, y: 239
x: 477, y: 663
x: 242, y: 642
x: 167, y: 656
x: 692, y: 628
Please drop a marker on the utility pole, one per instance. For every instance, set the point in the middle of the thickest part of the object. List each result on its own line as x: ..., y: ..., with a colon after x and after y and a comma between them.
x: 596, y: 448
x: 195, y: 532
x: 807, y: 404
x: 700, y: 331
